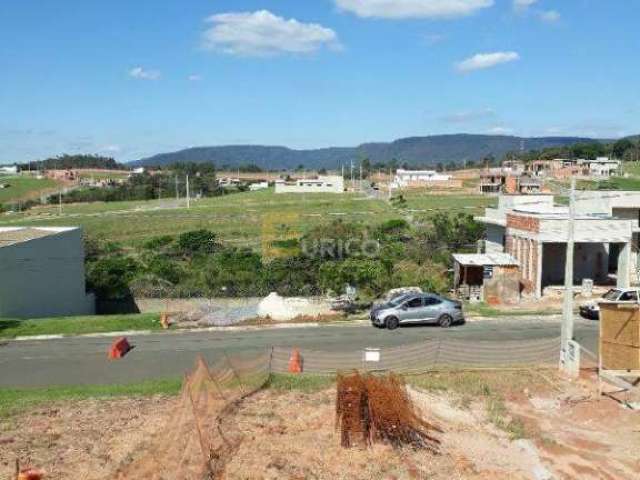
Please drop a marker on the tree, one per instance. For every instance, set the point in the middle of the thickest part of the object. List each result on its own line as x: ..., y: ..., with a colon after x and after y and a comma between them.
x: 621, y: 147
x: 109, y: 277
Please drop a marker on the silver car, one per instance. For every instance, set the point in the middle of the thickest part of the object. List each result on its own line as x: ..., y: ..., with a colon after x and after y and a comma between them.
x: 417, y: 308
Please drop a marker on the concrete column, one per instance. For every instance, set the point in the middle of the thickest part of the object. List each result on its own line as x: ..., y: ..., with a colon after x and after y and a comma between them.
x: 538, y: 267
x: 624, y: 266
x: 530, y: 265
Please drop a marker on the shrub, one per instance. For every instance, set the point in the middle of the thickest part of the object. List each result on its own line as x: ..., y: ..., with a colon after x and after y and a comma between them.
x: 197, y: 242
x: 370, y: 276
x: 109, y: 277
x: 156, y: 243
x: 429, y: 277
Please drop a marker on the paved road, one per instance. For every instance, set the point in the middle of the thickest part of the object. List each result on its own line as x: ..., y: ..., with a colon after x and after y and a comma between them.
x: 84, y: 361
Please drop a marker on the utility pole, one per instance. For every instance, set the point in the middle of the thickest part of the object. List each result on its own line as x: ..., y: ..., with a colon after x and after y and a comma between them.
x: 567, y: 307
x: 188, y: 199
x: 59, y: 202
x: 360, y: 176
x: 177, y: 191
x: 351, y: 173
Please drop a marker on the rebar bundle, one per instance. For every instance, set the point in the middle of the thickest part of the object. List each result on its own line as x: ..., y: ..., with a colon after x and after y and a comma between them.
x: 372, y: 409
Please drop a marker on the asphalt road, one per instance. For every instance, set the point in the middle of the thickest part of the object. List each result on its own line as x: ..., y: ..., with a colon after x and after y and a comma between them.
x: 83, y: 360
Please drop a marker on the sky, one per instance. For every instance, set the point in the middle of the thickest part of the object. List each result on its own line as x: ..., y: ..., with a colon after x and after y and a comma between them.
x: 130, y: 79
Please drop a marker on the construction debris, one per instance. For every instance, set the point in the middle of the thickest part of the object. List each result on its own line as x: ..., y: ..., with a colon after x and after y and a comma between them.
x: 377, y: 409
x: 119, y: 348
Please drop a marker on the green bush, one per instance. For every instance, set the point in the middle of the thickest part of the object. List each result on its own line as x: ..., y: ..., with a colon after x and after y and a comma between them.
x: 109, y: 277
x: 429, y: 277
x: 369, y: 276
x: 197, y: 242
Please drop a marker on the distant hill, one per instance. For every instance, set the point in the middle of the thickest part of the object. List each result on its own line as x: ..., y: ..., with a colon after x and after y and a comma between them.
x: 413, y: 150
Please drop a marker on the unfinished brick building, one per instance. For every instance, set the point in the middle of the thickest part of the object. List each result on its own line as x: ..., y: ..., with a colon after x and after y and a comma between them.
x: 534, y: 231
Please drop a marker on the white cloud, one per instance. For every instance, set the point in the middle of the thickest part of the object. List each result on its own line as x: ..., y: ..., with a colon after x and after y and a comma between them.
x: 262, y: 33
x: 142, y: 74
x: 481, y: 61
x: 550, y: 16
x: 413, y: 8
x: 194, y: 78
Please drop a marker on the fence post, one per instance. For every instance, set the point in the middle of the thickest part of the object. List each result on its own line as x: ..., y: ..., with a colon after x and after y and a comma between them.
x: 271, y: 360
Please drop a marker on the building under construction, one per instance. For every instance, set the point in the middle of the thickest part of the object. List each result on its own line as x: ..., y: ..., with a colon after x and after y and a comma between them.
x: 534, y: 231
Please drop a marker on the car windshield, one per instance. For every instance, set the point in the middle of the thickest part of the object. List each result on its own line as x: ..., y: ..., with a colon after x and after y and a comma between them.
x: 398, y: 300
x: 611, y: 294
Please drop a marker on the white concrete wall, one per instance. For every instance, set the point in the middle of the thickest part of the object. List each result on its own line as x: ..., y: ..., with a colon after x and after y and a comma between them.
x: 494, y: 238
x: 44, y: 277
x: 332, y: 184
x: 525, y: 202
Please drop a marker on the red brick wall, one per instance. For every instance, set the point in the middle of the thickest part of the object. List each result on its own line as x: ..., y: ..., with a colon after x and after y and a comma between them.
x: 511, y: 184
x: 529, y: 283
x: 522, y: 222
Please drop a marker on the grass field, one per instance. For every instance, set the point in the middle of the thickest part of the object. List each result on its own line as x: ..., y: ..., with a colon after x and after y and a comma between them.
x: 22, y: 188
x: 614, y: 183
x: 11, y: 328
x: 15, y: 400
x: 632, y: 168
x: 240, y: 218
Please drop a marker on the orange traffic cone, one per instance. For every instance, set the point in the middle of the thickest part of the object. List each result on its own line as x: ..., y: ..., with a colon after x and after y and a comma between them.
x: 295, y: 362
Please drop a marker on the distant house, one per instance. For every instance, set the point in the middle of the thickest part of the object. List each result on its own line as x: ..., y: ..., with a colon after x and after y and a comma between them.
x: 259, y: 186
x: 42, y: 273
x: 326, y: 184
x: 8, y: 170
x: 509, y: 181
x: 604, y: 167
x: 408, y: 178
x: 138, y: 171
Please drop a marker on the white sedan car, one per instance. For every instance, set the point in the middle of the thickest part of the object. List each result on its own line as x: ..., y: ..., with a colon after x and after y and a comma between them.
x: 591, y: 309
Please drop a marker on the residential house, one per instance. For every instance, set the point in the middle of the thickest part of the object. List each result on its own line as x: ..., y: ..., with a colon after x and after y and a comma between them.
x: 321, y: 184
x: 534, y: 230
x: 418, y: 178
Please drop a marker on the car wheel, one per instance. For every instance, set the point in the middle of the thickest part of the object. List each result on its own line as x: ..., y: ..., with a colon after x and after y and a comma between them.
x: 392, y: 323
x: 445, y: 321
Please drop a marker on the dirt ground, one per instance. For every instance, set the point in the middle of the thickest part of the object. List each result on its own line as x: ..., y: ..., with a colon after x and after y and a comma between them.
x: 83, y: 439
x: 552, y: 429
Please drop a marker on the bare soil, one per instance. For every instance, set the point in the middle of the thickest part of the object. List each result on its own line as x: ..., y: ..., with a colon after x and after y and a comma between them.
x: 568, y: 432
x: 82, y: 439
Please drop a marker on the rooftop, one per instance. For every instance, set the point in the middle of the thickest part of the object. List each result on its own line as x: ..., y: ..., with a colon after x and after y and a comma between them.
x: 14, y: 235
x: 481, y: 259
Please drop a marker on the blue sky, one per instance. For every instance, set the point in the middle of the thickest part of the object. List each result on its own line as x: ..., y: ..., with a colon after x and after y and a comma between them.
x: 132, y: 78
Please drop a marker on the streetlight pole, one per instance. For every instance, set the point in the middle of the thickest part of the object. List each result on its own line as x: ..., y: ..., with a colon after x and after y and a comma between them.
x: 567, y: 307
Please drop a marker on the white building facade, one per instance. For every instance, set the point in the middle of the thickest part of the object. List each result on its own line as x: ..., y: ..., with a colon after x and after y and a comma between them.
x: 534, y: 230
x: 42, y: 273
x: 404, y: 178
x: 322, y: 184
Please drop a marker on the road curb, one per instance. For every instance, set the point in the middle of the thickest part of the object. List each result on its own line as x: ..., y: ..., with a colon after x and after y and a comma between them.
x: 248, y: 328
x: 178, y: 331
